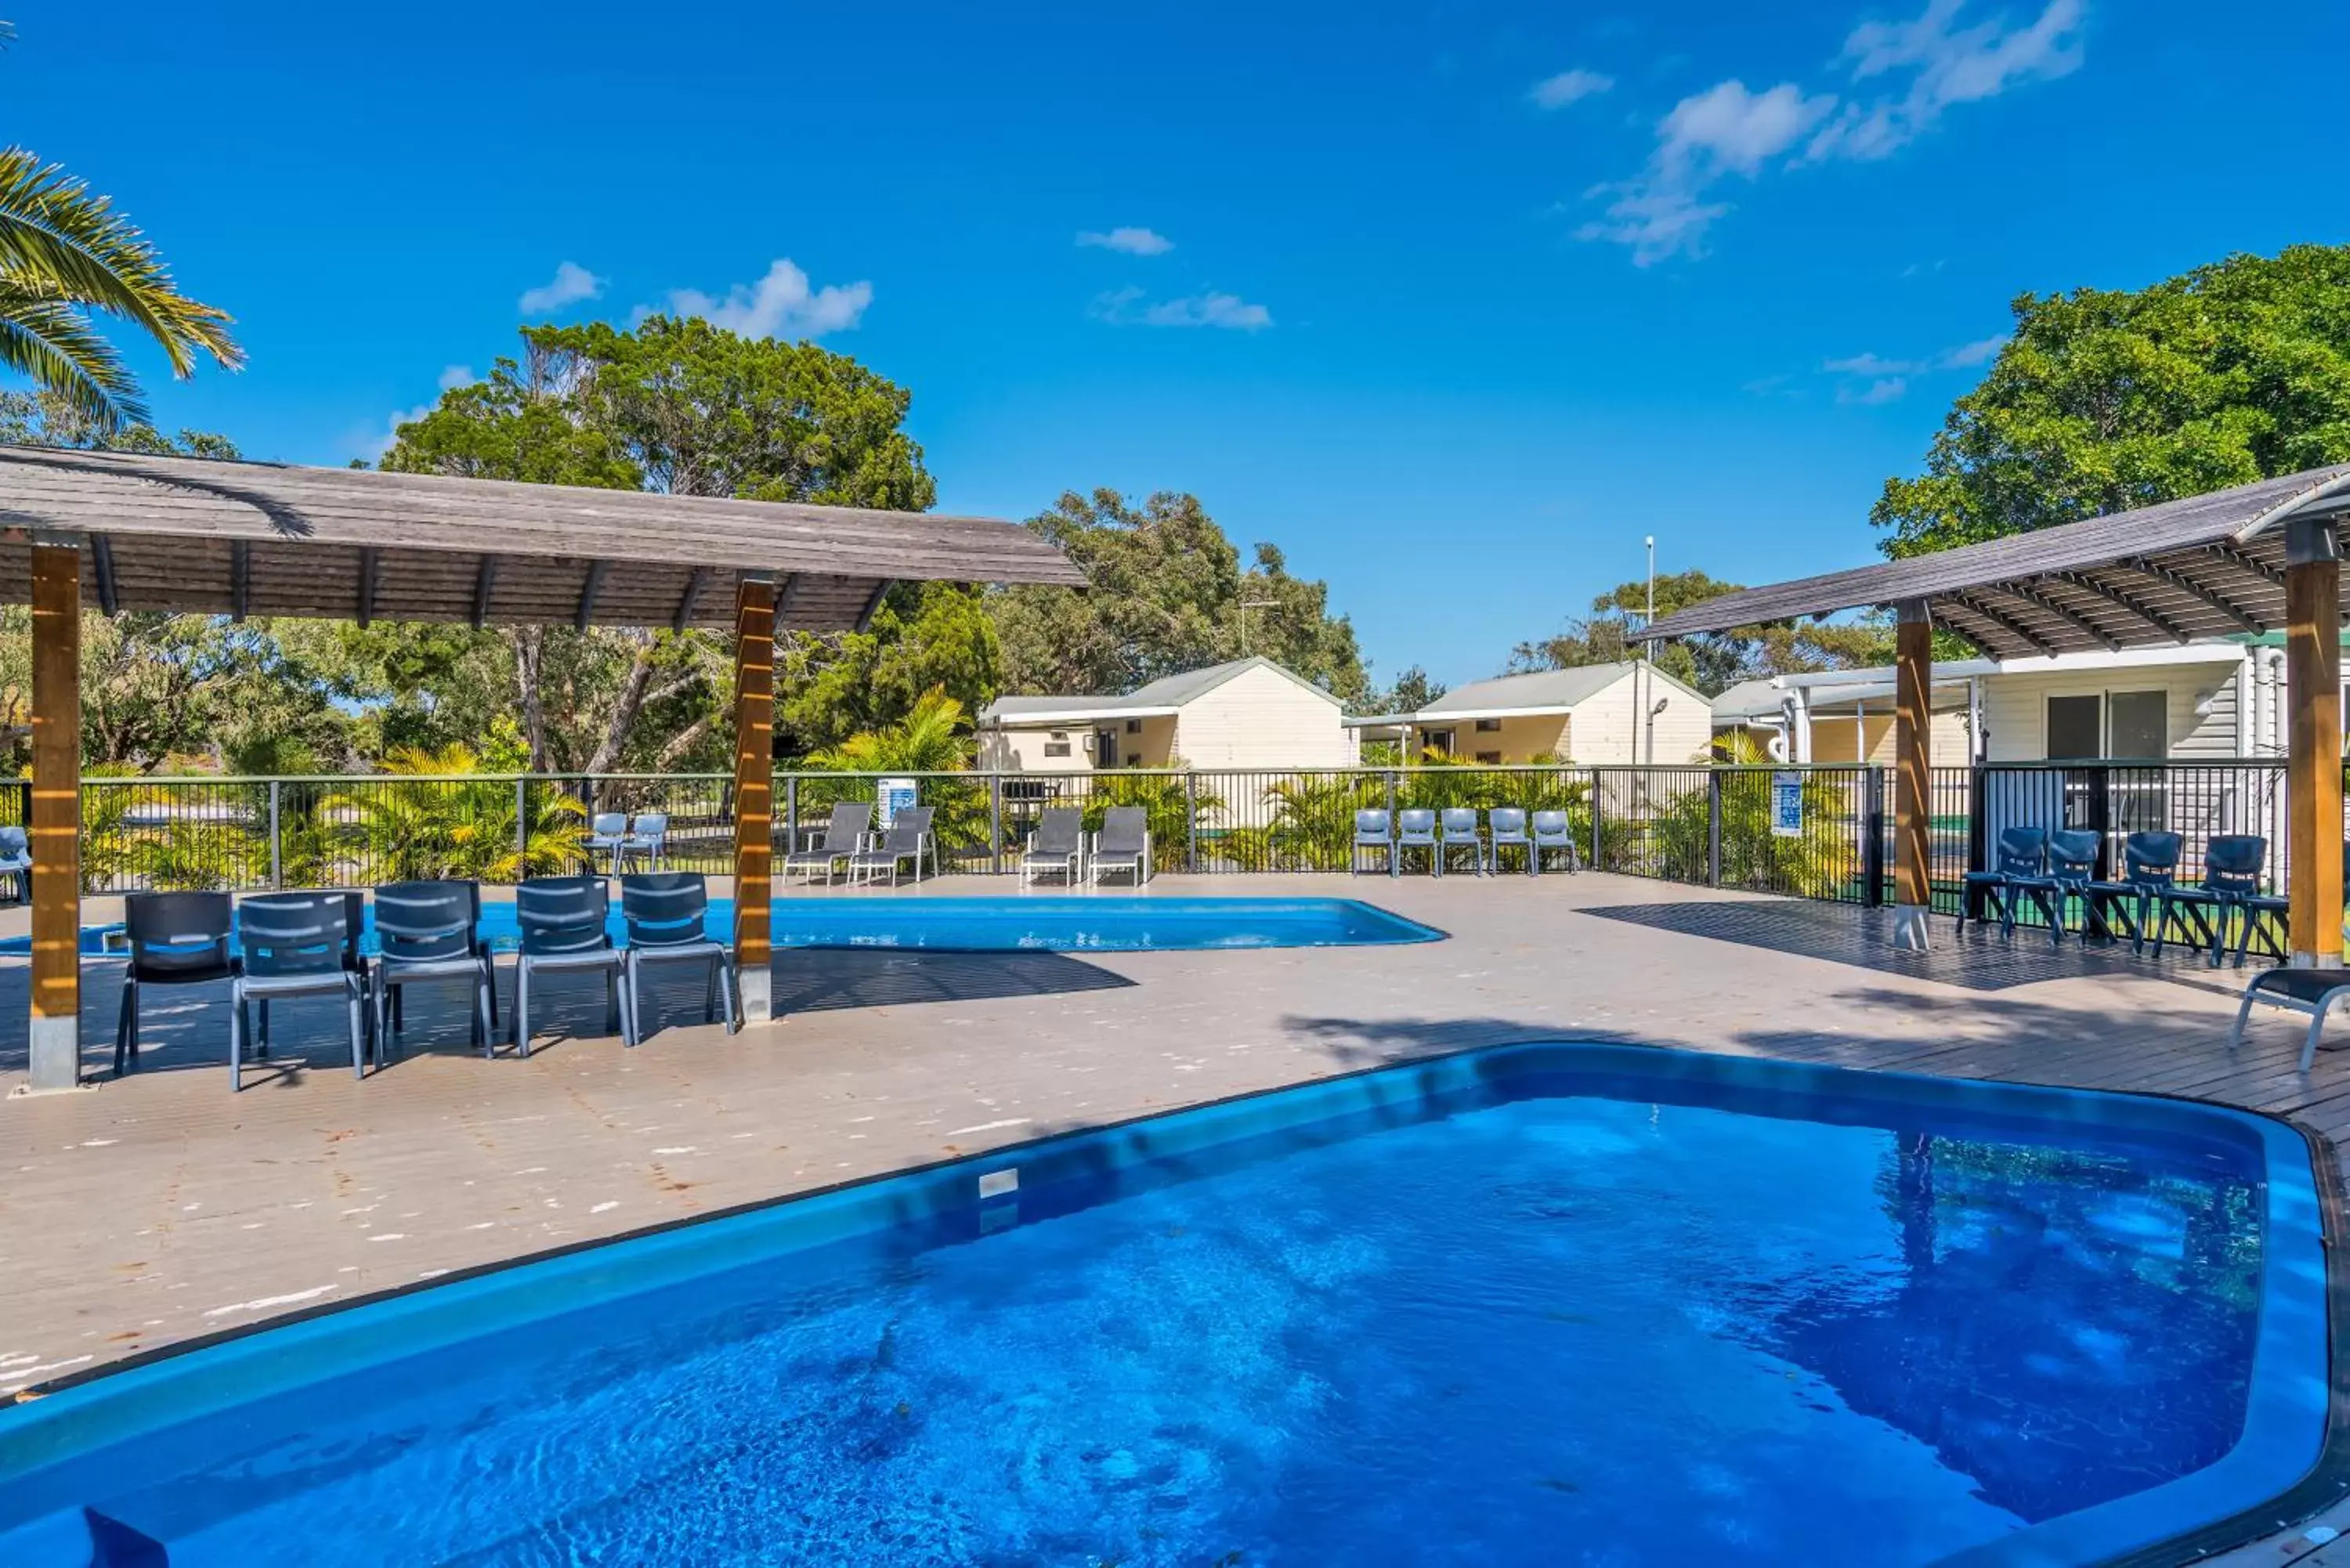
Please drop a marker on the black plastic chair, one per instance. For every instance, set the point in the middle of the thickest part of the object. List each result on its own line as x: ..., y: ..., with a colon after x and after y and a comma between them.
x: 563, y: 931
x: 175, y: 939
x: 429, y: 931
x: 2022, y: 855
x: 2072, y: 867
x: 2230, y: 888
x: 2149, y: 867
x: 666, y: 913
x: 293, y: 944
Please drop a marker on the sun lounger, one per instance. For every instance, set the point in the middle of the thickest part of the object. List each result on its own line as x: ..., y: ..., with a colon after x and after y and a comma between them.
x: 844, y: 836
x: 1123, y: 844
x: 1058, y: 845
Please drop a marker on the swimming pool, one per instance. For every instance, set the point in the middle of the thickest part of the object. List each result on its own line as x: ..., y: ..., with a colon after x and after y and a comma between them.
x: 1670, y: 1308
x: 1060, y: 923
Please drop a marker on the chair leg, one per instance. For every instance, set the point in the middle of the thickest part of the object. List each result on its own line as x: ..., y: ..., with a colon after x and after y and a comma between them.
x: 2243, y: 1015
x: 380, y: 1030
x: 2316, y: 1029
x: 486, y: 1015
x: 359, y: 1028
x: 520, y: 1019
x: 710, y: 994
x: 126, y: 1025
x: 261, y: 1041
x: 613, y: 1022
x: 235, y: 1038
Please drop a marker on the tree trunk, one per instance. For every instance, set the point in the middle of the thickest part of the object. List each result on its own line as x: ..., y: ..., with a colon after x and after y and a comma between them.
x: 529, y: 642
x: 626, y: 707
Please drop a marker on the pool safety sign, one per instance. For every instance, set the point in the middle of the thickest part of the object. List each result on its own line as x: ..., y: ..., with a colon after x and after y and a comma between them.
x: 892, y: 797
x: 1787, y: 805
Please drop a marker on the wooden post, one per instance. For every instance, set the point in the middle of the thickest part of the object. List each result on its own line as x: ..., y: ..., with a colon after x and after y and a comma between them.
x: 755, y: 794
x: 2313, y: 681
x: 1913, y: 699
x: 56, y: 818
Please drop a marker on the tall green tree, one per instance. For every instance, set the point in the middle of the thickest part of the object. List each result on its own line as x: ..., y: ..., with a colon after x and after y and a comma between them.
x: 1611, y: 634
x: 66, y: 254
x: 2107, y: 399
x: 684, y: 408
x: 1167, y: 594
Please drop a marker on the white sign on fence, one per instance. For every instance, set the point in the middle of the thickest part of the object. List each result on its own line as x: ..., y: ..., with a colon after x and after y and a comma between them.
x: 1787, y: 805
x: 890, y: 797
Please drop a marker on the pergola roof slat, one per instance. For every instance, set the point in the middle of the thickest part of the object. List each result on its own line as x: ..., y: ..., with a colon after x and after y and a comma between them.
x: 2046, y: 585
x: 336, y: 542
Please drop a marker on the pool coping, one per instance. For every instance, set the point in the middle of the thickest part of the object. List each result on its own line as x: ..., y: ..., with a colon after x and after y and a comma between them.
x: 844, y: 1209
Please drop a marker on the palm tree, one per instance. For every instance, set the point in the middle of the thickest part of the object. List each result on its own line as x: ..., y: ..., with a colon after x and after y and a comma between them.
x: 929, y: 740
x: 65, y: 253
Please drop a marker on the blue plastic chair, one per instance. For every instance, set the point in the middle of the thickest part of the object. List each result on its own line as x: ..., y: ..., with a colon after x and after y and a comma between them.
x: 17, y: 861
x: 1506, y: 829
x: 2072, y: 867
x: 1374, y: 829
x: 1415, y: 829
x: 2230, y: 890
x: 2022, y: 856
x: 430, y: 930
x: 1551, y: 830
x: 293, y: 944
x: 1457, y: 826
x: 2149, y: 867
x: 667, y: 915
x: 563, y: 931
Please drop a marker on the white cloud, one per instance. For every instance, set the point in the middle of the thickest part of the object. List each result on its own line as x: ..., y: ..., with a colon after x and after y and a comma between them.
x: 1568, y: 87
x: 780, y: 305
x: 1127, y: 307
x: 1873, y: 379
x: 571, y: 283
x: 1952, y: 65
x: 1884, y: 390
x: 1131, y: 240
x: 1983, y: 351
x: 374, y: 445
x: 1665, y: 210
x: 1727, y: 129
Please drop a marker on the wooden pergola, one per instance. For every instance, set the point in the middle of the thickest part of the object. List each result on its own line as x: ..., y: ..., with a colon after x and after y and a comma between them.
x: 119, y: 531
x: 2250, y: 559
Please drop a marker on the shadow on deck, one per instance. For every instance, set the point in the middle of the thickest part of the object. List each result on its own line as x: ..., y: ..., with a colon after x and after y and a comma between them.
x: 1980, y: 959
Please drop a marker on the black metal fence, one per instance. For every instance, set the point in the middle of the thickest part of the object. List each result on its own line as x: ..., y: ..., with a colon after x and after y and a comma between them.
x: 1820, y: 832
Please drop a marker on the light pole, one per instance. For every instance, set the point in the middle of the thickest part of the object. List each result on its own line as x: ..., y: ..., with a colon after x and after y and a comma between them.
x: 1648, y: 655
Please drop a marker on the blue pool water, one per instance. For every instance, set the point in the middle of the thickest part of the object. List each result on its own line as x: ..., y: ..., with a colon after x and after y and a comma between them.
x: 1058, y: 924
x: 1550, y: 1303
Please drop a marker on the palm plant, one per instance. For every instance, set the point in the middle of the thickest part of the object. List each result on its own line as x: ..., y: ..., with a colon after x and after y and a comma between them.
x: 1313, y: 822
x: 430, y: 820
x: 933, y: 738
x: 1167, y: 805
x: 65, y: 253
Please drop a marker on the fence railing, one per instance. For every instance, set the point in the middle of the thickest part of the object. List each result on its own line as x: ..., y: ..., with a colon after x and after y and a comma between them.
x: 1721, y: 826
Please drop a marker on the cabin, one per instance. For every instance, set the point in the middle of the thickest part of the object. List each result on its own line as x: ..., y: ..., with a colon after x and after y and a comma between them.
x: 1594, y: 714
x: 1248, y: 713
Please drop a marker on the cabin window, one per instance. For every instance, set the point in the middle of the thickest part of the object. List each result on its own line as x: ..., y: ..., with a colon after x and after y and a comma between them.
x: 1056, y: 742
x: 1134, y: 759
x: 2137, y: 724
x: 1489, y: 726
x: 2076, y: 727
x: 1134, y: 726
x: 1438, y: 740
x: 1492, y: 757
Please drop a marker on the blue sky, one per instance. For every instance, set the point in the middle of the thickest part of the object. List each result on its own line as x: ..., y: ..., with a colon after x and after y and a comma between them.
x: 1454, y: 301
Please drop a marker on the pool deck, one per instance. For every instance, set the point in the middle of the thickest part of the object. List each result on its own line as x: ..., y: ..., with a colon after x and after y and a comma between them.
x: 157, y: 1207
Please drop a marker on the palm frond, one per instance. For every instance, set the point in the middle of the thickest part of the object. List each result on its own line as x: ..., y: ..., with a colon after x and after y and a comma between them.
x: 51, y: 226
x: 55, y: 345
